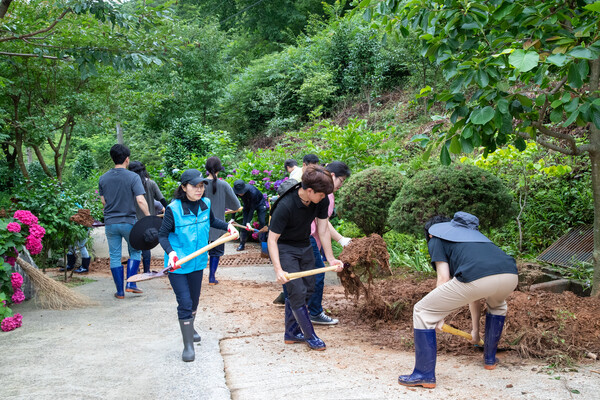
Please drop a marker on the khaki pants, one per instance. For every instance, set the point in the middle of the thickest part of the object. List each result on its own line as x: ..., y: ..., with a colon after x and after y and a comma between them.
x: 455, y: 294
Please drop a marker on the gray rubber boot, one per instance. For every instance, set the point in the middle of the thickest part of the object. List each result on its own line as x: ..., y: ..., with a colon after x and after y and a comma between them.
x: 187, y: 332
x: 197, y: 337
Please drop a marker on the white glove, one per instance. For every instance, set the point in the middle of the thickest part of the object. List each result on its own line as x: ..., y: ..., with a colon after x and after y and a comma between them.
x: 344, y: 241
x: 232, y: 231
x: 249, y: 227
x: 172, y: 259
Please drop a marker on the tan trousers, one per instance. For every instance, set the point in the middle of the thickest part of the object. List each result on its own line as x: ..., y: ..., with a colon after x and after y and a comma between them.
x: 455, y: 294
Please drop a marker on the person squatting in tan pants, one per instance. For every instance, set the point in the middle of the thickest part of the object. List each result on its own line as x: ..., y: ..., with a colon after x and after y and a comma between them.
x: 469, y: 267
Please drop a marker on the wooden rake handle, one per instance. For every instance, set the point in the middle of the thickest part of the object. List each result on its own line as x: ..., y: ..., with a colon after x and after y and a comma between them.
x: 296, y: 275
x: 448, y: 329
x: 223, y: 239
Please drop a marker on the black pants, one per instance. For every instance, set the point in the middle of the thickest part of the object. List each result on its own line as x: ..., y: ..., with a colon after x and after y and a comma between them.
x: 298, y: 259
x: 187, y: 291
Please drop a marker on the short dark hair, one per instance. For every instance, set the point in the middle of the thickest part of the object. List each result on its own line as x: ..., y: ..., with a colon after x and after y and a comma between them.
x: 437, y: 219
x: 318, y: 179
x: 310, y: 159
x: 119, y: 153
x: 290, y: 162
x: 338, y: 168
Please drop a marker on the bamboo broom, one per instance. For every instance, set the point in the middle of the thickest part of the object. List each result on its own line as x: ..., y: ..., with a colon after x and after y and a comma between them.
x: 52, y: 294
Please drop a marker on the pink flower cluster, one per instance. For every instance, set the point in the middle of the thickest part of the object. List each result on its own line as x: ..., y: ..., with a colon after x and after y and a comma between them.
x: 33, y: 243
x: 16, y: 280
x: 13, y: 227
x: 26, y: 217
x: 11, y: 323
x: 18, y: 296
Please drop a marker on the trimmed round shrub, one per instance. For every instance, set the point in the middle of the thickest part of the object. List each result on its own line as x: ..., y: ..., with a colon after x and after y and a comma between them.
x: 446, y: 190
x: 366, y: 197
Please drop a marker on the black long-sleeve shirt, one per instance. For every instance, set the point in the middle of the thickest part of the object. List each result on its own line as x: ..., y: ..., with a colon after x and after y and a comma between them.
x: 252, y: 199
x: 168, y: 224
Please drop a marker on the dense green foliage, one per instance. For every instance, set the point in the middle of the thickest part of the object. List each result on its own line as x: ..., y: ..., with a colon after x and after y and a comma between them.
x: 257, y: 83
x: 445, y: 190
x: 365, y: 198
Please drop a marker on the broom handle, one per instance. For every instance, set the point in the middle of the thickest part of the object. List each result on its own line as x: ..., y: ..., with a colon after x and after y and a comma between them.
x: 448, y: 329
x: 223, y: 239
x: 296, y: 275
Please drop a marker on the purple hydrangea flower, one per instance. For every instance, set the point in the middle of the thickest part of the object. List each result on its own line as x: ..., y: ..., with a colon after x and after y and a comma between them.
x: 255, y: 172
x: 252, y: 182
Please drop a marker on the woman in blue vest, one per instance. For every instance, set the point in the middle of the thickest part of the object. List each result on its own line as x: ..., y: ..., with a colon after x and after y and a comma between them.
x: 184, y: 230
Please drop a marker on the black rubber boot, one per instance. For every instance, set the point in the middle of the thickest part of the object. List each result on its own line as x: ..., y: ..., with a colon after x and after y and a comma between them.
x: 85, y: 266
x: 146, y: 263
x: 187, y: 333
x: 71, y: 260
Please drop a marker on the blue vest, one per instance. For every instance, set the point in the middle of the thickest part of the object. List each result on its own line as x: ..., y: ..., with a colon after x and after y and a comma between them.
x: 191, y: 234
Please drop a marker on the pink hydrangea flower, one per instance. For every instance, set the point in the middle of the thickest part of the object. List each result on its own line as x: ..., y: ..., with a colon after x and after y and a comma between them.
x: 11, y: 323
x: 25, y: 217
x: 33, y: 244
x: 255, y: 236
x: 18, y: 296
x: 37, y: 231
x: 13, y: 227
x: 16, y: 280
x: 11, y: 261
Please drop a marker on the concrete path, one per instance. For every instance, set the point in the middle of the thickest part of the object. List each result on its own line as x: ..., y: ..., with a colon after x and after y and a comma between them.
x: 131, y: 349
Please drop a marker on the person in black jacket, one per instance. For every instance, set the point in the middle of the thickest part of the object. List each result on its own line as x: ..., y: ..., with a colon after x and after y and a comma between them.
x: 253, y: 200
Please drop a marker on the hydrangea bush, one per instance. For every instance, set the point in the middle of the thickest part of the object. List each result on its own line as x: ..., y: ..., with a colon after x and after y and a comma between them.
x: 22, y: 230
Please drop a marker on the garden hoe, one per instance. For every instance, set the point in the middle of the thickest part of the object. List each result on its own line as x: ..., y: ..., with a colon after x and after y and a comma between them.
x: 448, y: 329
x: 151, y: 275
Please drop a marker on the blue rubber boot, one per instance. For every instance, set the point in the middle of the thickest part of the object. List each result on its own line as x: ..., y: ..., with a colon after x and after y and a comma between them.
x: 493, y: 331
x: 293, y: 333
x: 425, y: 357
x: 117, y: 274
x: 133, y: 267
x: 264, y: 250
x: 303, y: 319
x: 213, y: 264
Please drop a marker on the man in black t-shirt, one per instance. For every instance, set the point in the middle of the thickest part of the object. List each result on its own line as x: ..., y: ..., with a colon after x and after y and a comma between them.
x: 469, y: 267
x: 291, y: 251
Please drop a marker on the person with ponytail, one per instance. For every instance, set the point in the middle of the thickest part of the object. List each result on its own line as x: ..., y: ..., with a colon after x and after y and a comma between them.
x: 222, y: 197
x: 152, y: 193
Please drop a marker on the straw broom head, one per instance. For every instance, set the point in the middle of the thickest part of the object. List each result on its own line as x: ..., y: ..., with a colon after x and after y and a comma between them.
x: 52, y: 294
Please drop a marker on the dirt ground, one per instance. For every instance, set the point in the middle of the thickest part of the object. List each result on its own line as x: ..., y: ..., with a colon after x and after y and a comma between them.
x: 559, y: 328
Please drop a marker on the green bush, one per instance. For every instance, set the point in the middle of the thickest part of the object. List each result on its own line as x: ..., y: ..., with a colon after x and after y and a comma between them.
x: 446, y: 190
x: 366, y: 196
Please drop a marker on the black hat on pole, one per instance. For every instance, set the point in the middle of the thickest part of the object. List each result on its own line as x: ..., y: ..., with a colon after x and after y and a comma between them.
x: 144, y: 234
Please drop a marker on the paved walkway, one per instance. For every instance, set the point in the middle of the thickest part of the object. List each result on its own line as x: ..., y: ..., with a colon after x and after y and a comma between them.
x: 131, y: 349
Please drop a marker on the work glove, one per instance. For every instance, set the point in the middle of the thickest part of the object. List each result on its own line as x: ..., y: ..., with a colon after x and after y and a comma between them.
x: 172, y: 259
x: 249, y: 227
x: 344, y: 241
x: 232, y: 231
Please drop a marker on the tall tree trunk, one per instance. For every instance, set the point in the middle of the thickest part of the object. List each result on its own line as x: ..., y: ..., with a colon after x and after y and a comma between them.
x: 595, y: 161
x: 4, y: 4
x: 119, y: 133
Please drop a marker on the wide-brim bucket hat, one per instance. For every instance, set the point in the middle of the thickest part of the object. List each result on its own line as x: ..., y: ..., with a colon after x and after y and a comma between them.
x: 464, y: 227
x: 144, y: 234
